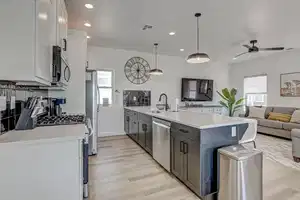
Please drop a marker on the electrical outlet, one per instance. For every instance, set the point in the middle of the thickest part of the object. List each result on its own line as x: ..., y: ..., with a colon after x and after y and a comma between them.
x: 233, y: 131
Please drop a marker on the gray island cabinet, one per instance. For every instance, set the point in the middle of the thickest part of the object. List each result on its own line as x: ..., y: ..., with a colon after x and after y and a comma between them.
x: 193, y: 150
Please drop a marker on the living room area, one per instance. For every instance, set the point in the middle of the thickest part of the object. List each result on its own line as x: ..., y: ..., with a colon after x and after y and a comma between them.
x: 270, y: 85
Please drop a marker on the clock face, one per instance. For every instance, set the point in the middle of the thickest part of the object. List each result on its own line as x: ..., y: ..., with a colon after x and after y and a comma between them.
x: 137, y: 70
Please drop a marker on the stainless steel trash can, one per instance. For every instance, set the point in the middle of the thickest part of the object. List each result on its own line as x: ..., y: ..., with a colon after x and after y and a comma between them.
x: 240, y: 173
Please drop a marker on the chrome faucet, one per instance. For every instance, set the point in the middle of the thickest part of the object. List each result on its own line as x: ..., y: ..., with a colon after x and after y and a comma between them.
x: 166, y: 101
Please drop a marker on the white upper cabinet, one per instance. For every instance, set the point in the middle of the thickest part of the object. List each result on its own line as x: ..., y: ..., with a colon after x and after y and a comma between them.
x: 44, y: 15
x: 25, y: 41
x: 62, y: 27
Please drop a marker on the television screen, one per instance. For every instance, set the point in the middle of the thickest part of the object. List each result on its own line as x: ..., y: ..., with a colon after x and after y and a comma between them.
x: 196, y: 89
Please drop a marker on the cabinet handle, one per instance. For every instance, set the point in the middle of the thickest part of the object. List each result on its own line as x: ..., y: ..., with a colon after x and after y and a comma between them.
x: 65, y: 44
x: 185, y: 148
x: 134, y: 122
x: 181, y: 146
x: 144, y: 127
x: 184, y: 131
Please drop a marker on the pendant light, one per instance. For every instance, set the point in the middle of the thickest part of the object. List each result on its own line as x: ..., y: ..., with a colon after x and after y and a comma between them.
x: 156, y: 71
x: 198, y: 57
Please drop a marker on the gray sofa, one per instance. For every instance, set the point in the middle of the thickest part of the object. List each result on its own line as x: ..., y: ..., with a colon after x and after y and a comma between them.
x: 275, y: 128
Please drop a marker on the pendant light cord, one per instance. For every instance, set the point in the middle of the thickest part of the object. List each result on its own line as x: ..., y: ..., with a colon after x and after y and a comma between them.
x: 155, y: 49
x: 198, y: 47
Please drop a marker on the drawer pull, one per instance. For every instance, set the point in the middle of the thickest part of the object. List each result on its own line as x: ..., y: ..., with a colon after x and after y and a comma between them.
x: 184, y: 131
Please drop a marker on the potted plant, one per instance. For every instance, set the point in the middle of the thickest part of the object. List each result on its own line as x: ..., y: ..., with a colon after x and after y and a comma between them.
x: 229, y: 101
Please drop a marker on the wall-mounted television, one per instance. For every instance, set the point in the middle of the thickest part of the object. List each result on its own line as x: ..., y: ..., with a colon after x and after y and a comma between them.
x: 196, y: 89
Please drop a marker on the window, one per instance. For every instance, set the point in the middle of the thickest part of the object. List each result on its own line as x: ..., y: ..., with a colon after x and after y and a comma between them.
x: 255, y: 90
x: 105, y: 86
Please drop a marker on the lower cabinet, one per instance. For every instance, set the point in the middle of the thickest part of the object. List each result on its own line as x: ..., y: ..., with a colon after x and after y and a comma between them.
x: 142, y: 133
x: 191, y: 162
x: 185, y: 158
x: 134, y: 129
x: 139, y: 128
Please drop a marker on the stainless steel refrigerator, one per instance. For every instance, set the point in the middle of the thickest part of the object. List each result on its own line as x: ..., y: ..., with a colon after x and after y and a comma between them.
x: 92, y: 108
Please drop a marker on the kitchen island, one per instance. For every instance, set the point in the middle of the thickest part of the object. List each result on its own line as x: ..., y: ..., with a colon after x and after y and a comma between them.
x: 42, y: 163
x: 193, y: 142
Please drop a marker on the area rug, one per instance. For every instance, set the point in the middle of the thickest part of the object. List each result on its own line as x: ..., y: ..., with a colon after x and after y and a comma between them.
x: 279, y: 150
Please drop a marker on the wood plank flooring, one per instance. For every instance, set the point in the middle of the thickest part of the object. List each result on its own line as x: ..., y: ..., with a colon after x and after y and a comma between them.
x: 123, y: 171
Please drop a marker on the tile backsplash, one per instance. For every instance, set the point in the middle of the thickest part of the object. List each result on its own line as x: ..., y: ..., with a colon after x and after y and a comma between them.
x: 12, y: 100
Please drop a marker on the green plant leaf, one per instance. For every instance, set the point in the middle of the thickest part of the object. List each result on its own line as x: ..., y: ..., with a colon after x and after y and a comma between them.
x: 223, y: 97
x: 226, y: 93
x: 233, y: 92
x: 237, y: 107
x: 239, y: 101
x: 223, y: 104
x: 232, y: 95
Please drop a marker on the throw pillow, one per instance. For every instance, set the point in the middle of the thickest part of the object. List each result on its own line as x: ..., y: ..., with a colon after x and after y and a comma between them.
x: 279, y: 117
x: 255, y: 112
x: 296, y: 117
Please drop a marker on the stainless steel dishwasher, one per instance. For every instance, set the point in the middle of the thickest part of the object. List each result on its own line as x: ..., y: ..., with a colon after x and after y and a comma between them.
x: 161, y: 142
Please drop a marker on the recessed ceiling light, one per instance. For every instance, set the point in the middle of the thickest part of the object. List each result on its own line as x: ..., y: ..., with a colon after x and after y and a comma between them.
x: 87, y: 24
x: 172, y: 33
x: 89, y: 6
x: 88, y: 37
x: 181, y: 49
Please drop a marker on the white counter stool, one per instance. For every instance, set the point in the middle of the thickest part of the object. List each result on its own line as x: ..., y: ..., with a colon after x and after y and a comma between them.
x: 250, y: 133
x: 296, y: 144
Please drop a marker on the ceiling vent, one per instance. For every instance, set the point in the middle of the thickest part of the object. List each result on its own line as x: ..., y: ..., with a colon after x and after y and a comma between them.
x: 147, y: 27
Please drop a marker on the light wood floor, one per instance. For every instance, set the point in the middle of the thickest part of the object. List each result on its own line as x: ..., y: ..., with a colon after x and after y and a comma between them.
x: 123, y: 171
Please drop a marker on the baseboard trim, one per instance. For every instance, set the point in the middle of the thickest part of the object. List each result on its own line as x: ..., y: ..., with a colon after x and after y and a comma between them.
x: 105, y: 134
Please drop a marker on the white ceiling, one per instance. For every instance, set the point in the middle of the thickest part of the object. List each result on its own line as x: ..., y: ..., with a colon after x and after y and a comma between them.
x: 224, y: 25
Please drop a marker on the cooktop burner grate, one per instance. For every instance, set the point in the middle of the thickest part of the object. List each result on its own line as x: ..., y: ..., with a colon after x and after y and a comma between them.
x: 61, y: 120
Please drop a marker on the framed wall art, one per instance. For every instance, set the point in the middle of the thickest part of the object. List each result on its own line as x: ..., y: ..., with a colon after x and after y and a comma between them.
x: 290, y: 84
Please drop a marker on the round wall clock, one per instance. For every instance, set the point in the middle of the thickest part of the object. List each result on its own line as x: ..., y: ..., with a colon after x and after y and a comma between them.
x: 137, y: 70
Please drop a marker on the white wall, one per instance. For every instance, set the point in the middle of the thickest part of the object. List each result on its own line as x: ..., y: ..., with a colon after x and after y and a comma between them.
x: 175, y: 68
x: 77, y: 57
x: 272, y: 65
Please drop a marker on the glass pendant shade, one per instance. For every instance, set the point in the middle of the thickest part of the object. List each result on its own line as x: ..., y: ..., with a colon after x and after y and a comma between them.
x: 198, y: 58
x: 156, y: 72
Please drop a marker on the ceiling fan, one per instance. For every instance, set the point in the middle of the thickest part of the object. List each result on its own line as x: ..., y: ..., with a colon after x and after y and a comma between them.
x: 255, y: 49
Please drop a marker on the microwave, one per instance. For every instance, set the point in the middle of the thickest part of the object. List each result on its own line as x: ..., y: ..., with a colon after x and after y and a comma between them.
x: 61, y: 72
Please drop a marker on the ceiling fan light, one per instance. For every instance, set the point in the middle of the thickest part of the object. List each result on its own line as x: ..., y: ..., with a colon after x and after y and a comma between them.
x: 156, y: 72
x: 196, y: 58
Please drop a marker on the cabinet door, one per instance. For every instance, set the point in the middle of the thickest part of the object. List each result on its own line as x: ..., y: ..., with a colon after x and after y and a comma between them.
x: 142, y: 133
x: 62, y: 27
x: 191, y: 160
x: 126, y: 123
x: 43, y: 50
x: 149, y: 138
x: 177, y: 156
x: 133, y: 129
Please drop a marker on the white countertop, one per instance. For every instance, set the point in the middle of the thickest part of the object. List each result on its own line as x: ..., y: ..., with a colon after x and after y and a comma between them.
x: 45, y: 134
x: 193, y: 119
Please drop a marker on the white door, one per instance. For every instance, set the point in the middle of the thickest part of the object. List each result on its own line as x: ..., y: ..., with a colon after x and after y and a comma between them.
x: 43, y: 50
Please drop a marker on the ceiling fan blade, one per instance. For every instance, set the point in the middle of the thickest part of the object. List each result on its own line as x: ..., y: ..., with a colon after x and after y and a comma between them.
x: 240, y: 55
x: 272, y: 49
x: 247, y: 46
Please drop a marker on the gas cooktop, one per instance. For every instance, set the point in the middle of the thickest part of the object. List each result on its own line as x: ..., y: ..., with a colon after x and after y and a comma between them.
x: 61, y: 120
